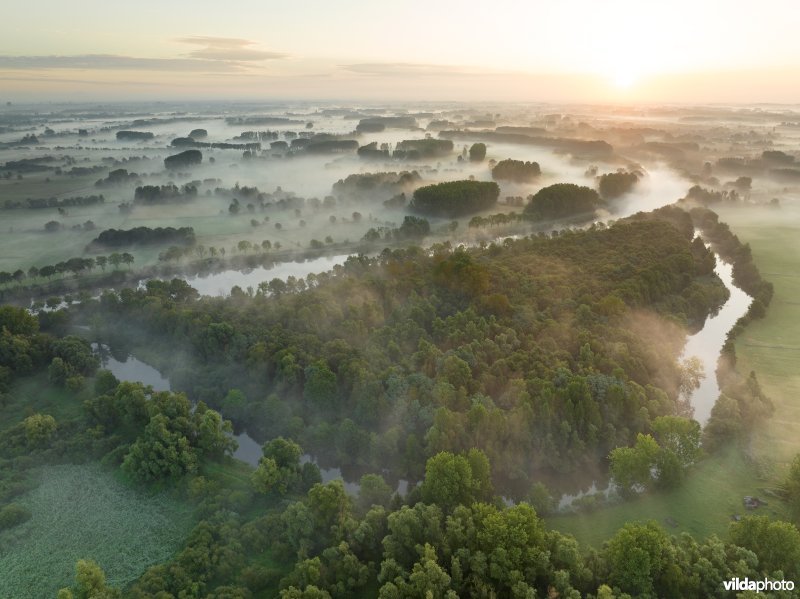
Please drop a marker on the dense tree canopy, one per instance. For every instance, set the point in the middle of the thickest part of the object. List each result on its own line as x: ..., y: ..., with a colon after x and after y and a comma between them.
x: 455, y: 198
x: 516, y: 170
x: 563, y: 200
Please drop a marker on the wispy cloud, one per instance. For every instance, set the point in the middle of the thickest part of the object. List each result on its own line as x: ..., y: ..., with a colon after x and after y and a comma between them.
x: 410, y: 69
x: 228, y: 48
x: 114, y: 62
x: 213, y: 55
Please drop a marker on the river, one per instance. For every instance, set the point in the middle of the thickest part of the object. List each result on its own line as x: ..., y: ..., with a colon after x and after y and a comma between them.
x: 248, y: 450
x: 706, y: 345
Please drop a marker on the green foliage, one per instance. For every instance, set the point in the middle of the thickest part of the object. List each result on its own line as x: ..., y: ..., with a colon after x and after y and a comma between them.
x: 320, y: 388
x: 413, y: 227
x: 90, y: 582
x: 613, y: 185
x: 160, y: 453
x: 792, y: 486
x: 373, y: 490
x: 105, y: 382
x: 560, y: 365
x: 422, y: 148
x: 517, y: 171
x: 17, y: 321
x: 13, y: 514
x: 477, y: 152
x: 631, y: 466
x: 638, y: 556
x: 39, y: 429
x: 454, y: 198
x: 775, y: 543
x: 563, y: 200
x: 183, y: 159
x: 279, y: 470
x: 541, y: 499
x: 452, y: 480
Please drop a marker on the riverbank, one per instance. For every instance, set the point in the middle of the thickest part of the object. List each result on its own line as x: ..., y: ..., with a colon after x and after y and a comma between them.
x: 771, y: 346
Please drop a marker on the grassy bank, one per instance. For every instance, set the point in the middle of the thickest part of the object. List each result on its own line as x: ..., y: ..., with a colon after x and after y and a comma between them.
x: 771, y: 346
x: 702, y: 506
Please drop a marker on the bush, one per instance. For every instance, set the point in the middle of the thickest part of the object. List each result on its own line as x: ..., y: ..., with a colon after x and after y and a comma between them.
x: 12, y: 515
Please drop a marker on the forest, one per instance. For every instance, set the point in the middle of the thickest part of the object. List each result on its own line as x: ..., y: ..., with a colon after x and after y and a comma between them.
x: 434, y: 350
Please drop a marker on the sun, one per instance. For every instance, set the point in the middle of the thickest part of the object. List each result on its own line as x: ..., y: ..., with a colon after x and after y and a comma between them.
x: 624, y: 78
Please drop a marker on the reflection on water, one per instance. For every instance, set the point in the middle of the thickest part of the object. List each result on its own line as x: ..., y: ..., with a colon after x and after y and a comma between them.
x: 131, y: 369
x: 707, y: 343
x: 249, y: 450
x: 220, y: 283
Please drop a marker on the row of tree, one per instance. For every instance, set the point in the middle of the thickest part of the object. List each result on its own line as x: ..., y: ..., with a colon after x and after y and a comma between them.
x: 73, y: 265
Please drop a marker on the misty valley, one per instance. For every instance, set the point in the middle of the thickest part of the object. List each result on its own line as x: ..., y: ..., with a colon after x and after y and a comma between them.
x: 317, y: 350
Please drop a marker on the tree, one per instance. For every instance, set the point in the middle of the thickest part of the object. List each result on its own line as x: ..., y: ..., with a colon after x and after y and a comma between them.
x: 516, y: 170
x: 541, y: 499
x: 184, y: 159
x: 309, y: 592
x: 631, y: 466
x: 373, y: 490
x: 448, y: 481
x: 90, y: 583
x: 792, y: 485
x: 563, y: 200
x: 776, y: 543
x: 214, y: 436
x: 39, y: 429
x: 160, y: 453
x: 279, y: 470
x: 413, y: 227
x: 127, y: 259
x: 477, y: 152
x: 115, y: 259
x: 637, y: 556
x: 613, y: 185
x: 678, y: 436
x: 329, y: 505
x: 455, y: 198
x: 320, y: 387
x: 101, y: 261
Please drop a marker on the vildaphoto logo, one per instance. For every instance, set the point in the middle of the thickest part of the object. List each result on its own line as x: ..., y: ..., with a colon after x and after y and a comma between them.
x: 759, y: 586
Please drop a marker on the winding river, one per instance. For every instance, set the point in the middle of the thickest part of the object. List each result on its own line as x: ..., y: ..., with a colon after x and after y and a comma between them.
x: 706, y: 345
x: 249, y: 450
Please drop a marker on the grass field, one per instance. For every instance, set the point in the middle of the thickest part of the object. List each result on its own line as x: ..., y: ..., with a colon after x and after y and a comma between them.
x: 85, y: 512
x: 702, y: 506
x: 771, y: 346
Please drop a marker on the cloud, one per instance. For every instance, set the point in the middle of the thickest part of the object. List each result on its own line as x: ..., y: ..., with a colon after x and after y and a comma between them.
x: 409, y: 69
x: 227, y: 48
x: 214, y: 55
x: 115, y: 62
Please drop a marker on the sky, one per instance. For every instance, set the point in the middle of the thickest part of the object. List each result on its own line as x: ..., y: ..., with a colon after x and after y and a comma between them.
x: 588, y: 51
